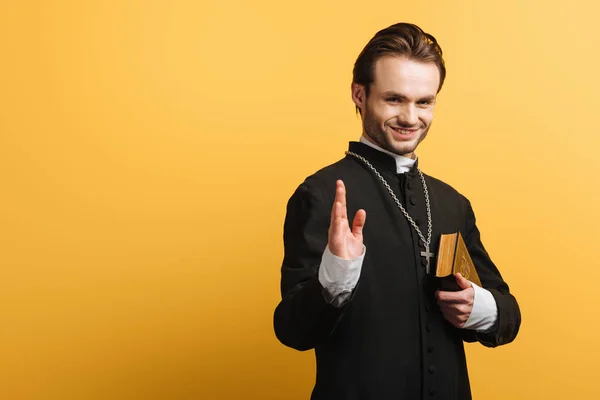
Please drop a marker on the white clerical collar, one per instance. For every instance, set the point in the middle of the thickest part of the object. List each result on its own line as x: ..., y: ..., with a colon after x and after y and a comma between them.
x: 403, y: 164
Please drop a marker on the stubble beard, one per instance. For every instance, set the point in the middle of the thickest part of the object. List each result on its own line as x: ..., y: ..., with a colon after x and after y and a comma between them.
x: 385, y: 141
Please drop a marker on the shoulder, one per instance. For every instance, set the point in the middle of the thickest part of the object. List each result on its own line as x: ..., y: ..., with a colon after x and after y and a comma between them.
x: 321, y: 183
x: 313, y: 197
x: 444, y: 189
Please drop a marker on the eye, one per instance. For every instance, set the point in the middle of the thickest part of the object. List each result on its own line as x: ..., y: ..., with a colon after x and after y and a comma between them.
x: 426, y: 102
x: 393, y: 99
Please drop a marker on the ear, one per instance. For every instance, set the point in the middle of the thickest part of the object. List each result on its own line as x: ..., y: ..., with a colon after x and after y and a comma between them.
x: 359, y: 96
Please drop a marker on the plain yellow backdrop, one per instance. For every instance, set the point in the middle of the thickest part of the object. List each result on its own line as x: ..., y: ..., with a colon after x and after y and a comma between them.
x: 148, y: 149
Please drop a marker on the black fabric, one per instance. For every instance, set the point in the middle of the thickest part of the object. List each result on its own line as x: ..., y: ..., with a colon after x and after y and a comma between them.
x: 389, y: 341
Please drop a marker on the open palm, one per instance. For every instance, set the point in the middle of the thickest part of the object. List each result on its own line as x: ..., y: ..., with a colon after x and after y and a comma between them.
x: 344, y: 241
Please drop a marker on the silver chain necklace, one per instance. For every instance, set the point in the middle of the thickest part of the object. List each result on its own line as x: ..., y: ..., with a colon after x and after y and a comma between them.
x: 427, y: 254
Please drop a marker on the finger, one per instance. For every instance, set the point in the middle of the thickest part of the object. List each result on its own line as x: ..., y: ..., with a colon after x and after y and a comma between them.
x: 449, y: 310
x: 335, y: 212
x: 450, y: 317
x: 338, y: 224
x: 451, y: 297
x: 359, y: 222
x: 454, y: 316
x: 456, y: 312
x: 337, y: 231
x: 462, y: 282
x: 456, y: 309
x: 340, y: 195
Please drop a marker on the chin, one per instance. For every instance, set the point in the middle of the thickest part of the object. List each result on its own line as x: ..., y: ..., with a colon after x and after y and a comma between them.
x: 405, y: 152
x: 403, y: 148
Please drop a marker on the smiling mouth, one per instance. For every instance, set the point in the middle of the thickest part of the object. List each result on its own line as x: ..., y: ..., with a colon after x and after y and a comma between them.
x: 404, y: 131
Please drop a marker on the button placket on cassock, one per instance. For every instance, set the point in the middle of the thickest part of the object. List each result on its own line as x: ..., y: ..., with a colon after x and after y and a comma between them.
x: 414, y: 197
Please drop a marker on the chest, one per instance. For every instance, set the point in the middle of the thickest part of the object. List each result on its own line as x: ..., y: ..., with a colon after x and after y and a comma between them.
x: 406, y: 211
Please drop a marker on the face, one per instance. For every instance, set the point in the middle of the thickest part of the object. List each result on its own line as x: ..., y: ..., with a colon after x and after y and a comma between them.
x: 398, y: 112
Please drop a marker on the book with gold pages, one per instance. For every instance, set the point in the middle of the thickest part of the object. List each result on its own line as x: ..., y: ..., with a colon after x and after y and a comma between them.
x: 453, y: 257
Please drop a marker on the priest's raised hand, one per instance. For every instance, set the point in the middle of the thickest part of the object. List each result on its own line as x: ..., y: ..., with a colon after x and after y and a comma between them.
x: 344, y: 241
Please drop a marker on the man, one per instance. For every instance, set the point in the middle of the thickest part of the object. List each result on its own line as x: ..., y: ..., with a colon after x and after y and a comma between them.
x: 361, y: 292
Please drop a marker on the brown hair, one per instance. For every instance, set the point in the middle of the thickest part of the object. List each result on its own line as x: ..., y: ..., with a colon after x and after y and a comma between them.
x: 401, y: 39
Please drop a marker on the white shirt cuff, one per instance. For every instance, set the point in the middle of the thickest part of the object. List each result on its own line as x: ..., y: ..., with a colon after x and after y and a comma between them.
x: 338, y: 276
x: 484, y: 313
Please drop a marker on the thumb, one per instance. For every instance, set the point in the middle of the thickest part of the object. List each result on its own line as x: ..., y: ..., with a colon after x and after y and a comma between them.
x: 359, y: 222
x: 462, y: 282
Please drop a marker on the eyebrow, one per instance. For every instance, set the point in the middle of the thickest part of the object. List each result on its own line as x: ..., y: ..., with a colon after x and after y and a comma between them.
x: 403, y: 97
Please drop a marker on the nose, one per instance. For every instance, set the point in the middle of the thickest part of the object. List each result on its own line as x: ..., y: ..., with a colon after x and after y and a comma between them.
x: 408, y: 115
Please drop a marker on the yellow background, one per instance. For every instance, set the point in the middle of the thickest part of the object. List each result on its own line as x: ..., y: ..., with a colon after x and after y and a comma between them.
x: 148, y: 149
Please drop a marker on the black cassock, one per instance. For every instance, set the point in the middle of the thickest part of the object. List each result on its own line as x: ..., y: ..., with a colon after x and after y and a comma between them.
x: 390, y: 340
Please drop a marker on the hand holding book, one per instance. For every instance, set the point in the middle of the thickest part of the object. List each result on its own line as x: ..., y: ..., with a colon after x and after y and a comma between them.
x: 456, y: 306
x: 455, y: 271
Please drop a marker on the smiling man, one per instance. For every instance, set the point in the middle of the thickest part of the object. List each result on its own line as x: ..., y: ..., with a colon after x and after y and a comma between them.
x: 360, y: 291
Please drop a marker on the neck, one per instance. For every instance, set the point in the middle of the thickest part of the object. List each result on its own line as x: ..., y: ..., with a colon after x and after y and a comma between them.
x: 403, y: 163
x: 366, y: 139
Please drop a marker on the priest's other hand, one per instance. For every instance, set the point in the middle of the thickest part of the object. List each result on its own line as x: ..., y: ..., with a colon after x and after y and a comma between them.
x: 345, y: 242
x: 456, y: 307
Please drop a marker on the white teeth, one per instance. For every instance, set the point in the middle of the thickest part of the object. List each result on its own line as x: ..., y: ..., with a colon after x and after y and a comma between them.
x: 402, y: 131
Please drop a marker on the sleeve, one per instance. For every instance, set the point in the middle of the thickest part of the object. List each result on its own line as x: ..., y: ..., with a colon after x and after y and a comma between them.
x: 339, y: 276
x: 484, y: 313
x: 508, y: 319
x: 305, y: 317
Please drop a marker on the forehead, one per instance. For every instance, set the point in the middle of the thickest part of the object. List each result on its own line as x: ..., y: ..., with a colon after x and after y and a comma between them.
x: 409, y: 77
